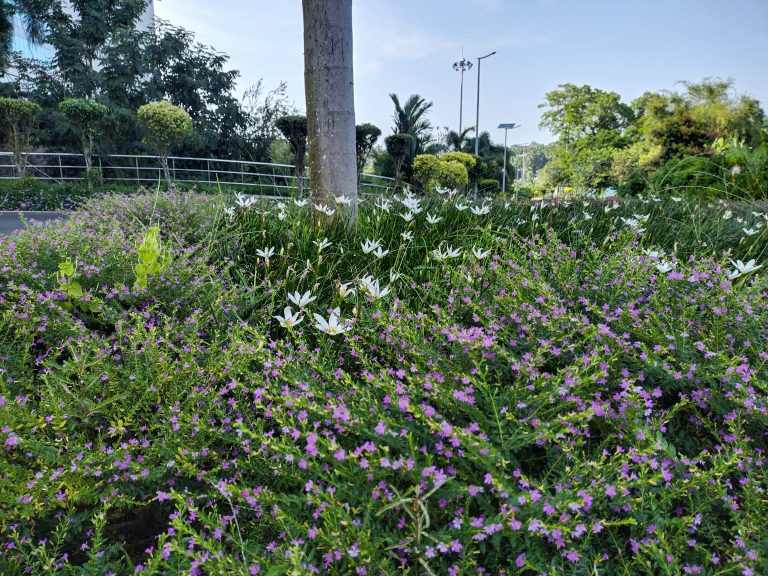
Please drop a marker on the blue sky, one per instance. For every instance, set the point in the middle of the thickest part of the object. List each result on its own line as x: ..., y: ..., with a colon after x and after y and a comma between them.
x: 407, y: 47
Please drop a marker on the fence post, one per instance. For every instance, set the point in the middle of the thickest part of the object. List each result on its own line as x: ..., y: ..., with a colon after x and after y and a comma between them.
x: 208, y: 162
x: 138, y: 180
x: 61, y: 169
x: 173, y: 168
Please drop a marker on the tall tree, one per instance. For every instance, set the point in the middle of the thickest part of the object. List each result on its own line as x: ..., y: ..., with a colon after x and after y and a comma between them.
x: 330, y: 100
x: 27, y: 12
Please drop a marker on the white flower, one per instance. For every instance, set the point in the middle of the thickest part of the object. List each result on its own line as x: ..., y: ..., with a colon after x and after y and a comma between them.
x: 265, y: 253
x: 675, y: 199
x: 289, y: 319
x: 411, y: 202
x: 301, y: 300
x: 507, y: 205
x: 343, y: 200
x: 345, y: 290
x: 480, y: 210
x: 460, y: 207
x: 655, y: 198
x: 322, y: 244
x: 372, y: 287
x: 300, y: 202
x: 587, y: 215
x: 664, y: 266
x: 244, y: 201
x: 742, y: 268
x: 327, y: 210
x: 383, y: 204
x: 379, y: 252
x: 407, y: 235
x: 433, y: 219
x: 333, y: 325
x: 394, y: 276
x: 446, y: 254
x: 281, y: 215
x: 408, y: 216
x: 370, y: 245
x: 479, y: 253
x: 749, y: 231
x: 230, y: 212
x: 727, y: 215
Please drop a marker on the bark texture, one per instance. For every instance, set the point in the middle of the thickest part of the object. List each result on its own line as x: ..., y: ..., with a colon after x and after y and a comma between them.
x: 330, y: 101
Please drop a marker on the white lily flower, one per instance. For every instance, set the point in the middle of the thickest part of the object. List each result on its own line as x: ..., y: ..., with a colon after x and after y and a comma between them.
x: 300, y: 202
x: 289, y: 319
x: 742, y: 269
x: 480, y: 210
x: 675, y: 199
x: 749, y: 231
x: 663, y: 266
x: 301, y: 300
x: 446, y: 254
x: 433, y: 219
x: 379, y: 252
x: 333, y: 325
x: 370, y: 245
x: 343, y: 200
x: 407, y: 235
x: 587, y: 215
x: 281, y: 215
x: 243, y: 200
x: 727, y: 215
x: 412, y: 203
x: 266, y: 253
x: 322, y: 244
x: 372, y: 287
x: 230, y: 212
x: 345, y: 290
x: 460, y: 207
x: 479, y: 253
x: 383, y: 204
x: 327, y: 210
x: 394, y: 276
x: 408, y: 216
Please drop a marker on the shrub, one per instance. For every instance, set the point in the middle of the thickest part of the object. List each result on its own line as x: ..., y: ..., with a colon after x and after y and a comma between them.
x: 164, y: 126
x: 426, y: 169
x: 490, y: 185
x: 453, y: 175
x: 467, y: 160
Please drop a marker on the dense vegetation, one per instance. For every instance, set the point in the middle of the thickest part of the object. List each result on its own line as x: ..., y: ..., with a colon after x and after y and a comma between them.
x: 192, y: 385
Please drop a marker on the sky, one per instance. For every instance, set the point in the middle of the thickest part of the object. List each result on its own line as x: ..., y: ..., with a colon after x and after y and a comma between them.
x: 408, y: 47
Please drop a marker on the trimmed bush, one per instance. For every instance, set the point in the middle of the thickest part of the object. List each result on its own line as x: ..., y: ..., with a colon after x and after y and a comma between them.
x: 165, y: 125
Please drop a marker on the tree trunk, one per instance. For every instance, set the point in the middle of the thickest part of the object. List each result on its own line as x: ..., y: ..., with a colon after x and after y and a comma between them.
x: 330, y: 100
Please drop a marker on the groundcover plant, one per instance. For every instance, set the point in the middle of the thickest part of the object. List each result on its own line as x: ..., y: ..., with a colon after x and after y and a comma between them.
x: 214, y: 385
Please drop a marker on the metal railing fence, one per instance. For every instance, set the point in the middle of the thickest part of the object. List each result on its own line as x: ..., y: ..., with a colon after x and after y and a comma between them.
x: 255, y: 177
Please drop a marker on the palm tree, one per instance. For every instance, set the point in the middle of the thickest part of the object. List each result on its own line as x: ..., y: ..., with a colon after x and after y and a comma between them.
x: 459, y: 142
x: 411, y: 119
x: 28, y: 11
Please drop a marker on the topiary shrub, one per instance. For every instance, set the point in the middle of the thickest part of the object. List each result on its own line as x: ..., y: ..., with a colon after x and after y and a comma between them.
x: 86, y: 116
x: 426, y: 169
x: 164, y: 127
x: 17, y: 117
x: 398, y: 146
x: 489, y: 185
x: 453, y: 175
x: 467, y: 160
x: 294, y: 129
x: 365, y: 137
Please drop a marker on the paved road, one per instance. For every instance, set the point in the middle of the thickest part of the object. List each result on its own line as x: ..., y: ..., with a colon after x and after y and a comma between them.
x: 10, y: 221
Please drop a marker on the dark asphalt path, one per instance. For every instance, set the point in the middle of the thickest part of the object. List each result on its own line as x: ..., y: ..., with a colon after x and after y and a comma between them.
x: 10, y: 221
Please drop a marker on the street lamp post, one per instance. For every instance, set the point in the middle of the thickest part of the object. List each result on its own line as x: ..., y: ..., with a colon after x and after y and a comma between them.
x: 506, y: 127
x: 461, y: 66
x: 477, y: 113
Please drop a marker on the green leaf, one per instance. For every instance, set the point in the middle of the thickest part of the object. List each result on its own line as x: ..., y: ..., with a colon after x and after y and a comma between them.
x: 74, y: 290
x: 66, y: 268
